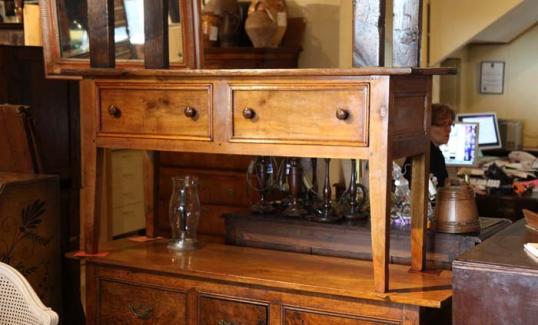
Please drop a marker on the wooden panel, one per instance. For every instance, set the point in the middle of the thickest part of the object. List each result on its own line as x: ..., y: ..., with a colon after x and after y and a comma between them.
x: 406, y: 33
x: 211, y: 218
x: 368, y: 33
x: 156, y: 45
x: 205, y: 161
x: 223, y: 311
x: 217, y: 187
x: 298, y: 317
x: 157, y: 111
x: 121, y: 303
x: 300, y: 113
x: 101, y: 31
x: 410, y: 104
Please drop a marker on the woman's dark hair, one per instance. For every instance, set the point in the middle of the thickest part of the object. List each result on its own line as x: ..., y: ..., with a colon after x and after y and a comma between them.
x: 441, y: 112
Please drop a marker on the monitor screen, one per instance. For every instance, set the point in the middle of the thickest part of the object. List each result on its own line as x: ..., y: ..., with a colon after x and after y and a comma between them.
x: 462, y: 147
x: 489, y: 137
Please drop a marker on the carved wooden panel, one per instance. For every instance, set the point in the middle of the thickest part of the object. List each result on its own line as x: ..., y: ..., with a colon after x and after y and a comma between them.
x: 406, y: 33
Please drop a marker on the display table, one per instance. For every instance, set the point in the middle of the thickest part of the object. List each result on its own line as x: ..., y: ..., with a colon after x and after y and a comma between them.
x: 506, y: 206
x: 497, y: 281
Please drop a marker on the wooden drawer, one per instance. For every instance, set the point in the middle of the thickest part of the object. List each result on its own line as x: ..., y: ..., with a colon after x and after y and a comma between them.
x: 286, y: 113
x: 299, y: 317
x: 126, y: 303
x: 156, y: 110
x: 223, y: 312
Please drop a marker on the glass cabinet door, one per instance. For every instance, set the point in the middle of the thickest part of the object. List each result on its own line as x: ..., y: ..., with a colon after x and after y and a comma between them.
x: 67, y: 39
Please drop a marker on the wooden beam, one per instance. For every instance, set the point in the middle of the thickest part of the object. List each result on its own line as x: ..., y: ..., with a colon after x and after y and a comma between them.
x: 101, y: 31
x: 368, y: 33
x: 156, y: 52
x: 406, y: 33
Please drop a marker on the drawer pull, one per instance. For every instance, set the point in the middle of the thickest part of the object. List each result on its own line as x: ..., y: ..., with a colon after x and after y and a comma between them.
x: 190, y: 112
x: 249, y: 113
x: 342, y: 114
x: 140, y: 311
x: 114, y: 111
x: 225, y: 322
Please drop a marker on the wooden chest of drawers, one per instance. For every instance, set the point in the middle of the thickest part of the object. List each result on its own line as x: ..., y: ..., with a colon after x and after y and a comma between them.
x: 224, y: 285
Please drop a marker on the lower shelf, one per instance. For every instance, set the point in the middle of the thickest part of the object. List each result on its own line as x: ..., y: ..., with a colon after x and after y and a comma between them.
x: 349, y: 239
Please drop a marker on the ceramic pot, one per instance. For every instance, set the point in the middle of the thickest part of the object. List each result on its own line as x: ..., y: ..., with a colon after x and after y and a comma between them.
x: 278, y: 12
x: 260, y: 26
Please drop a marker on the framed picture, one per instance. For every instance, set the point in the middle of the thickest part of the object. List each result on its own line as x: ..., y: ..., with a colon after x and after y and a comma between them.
x: 491, y: 77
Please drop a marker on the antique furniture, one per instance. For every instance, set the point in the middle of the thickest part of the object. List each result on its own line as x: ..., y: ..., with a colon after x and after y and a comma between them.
x: 249, y: 112
x: 30, y: 232
x: 19, y: 302
x: 497, y: 281
x: 508, y: 206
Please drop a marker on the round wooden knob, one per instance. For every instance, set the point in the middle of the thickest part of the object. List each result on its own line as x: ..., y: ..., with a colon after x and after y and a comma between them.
x: 114, y: 111
x: 249, y: 113
x: 190, y: 112
x: 342, y: 114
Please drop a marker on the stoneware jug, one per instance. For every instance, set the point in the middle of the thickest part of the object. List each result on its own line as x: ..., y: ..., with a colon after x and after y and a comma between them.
x: 260, y: 25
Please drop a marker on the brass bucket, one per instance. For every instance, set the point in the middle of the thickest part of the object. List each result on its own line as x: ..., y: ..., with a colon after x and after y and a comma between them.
x: 456, y: 210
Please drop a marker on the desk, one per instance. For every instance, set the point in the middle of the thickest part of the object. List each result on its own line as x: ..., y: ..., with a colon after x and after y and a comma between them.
x: 506, y: 206
x: 497, y: 281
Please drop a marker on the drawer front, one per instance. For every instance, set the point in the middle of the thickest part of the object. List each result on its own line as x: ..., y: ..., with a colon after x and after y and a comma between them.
x: 220, y: 311
x: 160, y: 112
x: 122, y: 303
x: 300, y: 114
x: 297, y: 317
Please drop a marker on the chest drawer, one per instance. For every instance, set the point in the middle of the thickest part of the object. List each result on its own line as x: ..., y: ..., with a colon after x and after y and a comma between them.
x: 317, y: 113
x: 122, y: 303
x: 227, y: 312
x: 174, y: 111
x: 297, y: 317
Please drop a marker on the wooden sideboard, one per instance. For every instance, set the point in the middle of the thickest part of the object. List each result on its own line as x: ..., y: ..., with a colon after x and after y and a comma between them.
x: 294, y: 115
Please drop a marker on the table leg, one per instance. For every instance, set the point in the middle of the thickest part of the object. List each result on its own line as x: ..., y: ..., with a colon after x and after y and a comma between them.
x: 419, y: 201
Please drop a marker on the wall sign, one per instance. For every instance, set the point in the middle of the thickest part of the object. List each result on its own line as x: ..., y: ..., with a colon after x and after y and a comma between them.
x: 491, y: 77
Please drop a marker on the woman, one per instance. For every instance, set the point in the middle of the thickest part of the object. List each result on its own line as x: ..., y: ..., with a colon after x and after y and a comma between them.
x: 442, y: 119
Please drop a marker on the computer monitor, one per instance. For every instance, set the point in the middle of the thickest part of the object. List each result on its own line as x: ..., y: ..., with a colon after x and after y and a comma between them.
x: 462, y: 147
x: 489, y: 136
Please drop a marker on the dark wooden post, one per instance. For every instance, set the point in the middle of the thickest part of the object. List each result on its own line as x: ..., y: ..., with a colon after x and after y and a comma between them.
x: 406, y: 33
x: 101, y: 31
x: 368, y: 33
x: 156, y: 52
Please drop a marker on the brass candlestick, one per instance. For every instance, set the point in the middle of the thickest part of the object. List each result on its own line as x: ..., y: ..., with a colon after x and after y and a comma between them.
x: 295, y: 178
x: 349, y: 199
x: 261, y: 171
x: 326, y: 213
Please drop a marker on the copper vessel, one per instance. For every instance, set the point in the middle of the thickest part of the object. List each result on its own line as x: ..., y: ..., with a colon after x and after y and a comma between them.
x: 456, y: 210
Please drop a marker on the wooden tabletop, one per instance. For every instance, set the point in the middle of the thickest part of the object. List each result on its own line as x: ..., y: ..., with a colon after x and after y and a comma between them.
x: 283, y: 271
x: 504, y: 250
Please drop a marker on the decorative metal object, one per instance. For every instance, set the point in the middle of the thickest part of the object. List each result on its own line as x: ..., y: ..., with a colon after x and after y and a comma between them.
x: 295, y: 177
x: 354, y: 197
x: 184, y: 213
x: 326, y: 213
x: 263, y: 170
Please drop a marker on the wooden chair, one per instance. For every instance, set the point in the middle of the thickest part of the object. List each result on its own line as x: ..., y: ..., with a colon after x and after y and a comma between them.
x: 19, y: 304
